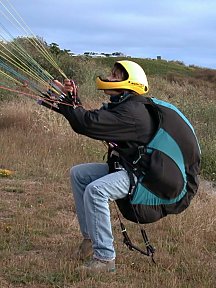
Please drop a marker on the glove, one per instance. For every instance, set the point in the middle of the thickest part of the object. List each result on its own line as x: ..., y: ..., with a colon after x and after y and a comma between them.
x: 70, y: 92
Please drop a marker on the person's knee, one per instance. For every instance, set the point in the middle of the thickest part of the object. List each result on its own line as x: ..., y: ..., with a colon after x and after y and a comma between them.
x: 75, y: 173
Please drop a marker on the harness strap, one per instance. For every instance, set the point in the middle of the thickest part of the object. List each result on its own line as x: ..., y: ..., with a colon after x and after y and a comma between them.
x: 130, y: 169
x: 126, y: 240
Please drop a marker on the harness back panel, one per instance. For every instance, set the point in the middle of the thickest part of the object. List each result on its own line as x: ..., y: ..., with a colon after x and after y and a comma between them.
x: 170, y: 180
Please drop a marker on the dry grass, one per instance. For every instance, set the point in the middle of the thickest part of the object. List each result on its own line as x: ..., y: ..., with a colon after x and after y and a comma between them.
x: 38, y: 225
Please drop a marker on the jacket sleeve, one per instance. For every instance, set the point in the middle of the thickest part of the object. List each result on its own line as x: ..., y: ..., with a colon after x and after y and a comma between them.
x: 100, y: 124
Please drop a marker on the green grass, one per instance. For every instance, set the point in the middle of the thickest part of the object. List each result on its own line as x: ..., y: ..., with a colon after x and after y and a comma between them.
x: 152, y: 66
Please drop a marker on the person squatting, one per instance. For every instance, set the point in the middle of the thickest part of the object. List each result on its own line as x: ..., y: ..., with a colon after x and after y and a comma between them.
x: 152, y: 165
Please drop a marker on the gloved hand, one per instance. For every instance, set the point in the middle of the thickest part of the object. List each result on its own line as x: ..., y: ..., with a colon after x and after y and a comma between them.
x: 69, y: 90
x: 66, y: 87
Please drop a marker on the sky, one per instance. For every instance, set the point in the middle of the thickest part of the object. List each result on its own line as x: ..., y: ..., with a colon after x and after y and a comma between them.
x: 180, y: 30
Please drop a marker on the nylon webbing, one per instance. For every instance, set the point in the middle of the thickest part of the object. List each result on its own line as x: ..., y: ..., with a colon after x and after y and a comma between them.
x: 126, y: 239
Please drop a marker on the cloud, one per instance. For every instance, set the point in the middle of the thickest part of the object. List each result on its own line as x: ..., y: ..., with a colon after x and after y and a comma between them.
x: 181, y: 30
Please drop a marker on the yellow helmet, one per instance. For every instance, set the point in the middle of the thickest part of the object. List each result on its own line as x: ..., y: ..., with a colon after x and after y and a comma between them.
x: 136, y: 81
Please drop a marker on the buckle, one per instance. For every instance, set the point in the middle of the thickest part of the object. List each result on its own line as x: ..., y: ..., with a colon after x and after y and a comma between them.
x: 141, y: 152
x: 117, y: 166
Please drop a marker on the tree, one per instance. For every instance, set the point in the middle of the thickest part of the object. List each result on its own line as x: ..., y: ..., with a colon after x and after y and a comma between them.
x: 54, y: 48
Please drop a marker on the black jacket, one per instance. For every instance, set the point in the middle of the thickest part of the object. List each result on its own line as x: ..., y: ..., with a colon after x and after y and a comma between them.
x: 126, y: 123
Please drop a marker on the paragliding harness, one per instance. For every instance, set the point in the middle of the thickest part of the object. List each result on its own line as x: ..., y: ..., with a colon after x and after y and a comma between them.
x: 150, y: 250
x: 156, y: 171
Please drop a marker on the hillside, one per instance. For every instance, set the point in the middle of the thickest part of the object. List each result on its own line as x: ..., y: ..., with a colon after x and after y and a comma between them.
x: 38, y: 225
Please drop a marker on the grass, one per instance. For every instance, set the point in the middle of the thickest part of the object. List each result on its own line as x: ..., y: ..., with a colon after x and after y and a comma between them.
x: 154, y: 67
x: 39, y: 230
x: 38, y: 224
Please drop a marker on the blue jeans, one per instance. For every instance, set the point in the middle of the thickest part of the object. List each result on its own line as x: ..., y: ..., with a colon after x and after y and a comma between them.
x: 93, y: 187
